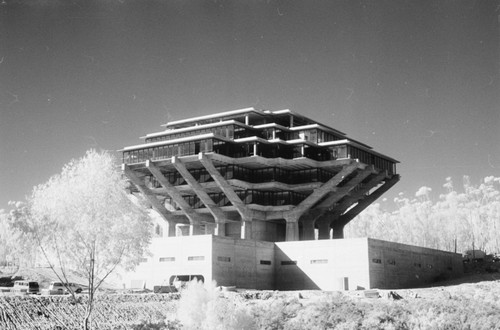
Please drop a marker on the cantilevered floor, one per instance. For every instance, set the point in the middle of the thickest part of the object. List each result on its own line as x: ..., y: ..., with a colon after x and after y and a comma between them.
x: 265, y: 184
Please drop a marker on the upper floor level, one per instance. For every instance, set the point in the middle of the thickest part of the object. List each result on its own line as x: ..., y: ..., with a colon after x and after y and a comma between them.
x: 250, y: 132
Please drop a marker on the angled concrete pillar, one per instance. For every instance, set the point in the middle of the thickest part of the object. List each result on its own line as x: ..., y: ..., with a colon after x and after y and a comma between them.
x: 216, y: 212
x: 225, y: 187
x: 151, y: 197
x: 320, y: 192
x: 174, y: 193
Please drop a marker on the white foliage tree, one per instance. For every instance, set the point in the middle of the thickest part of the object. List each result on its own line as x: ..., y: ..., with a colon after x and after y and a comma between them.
x: 456, y: 221
x: 84, y: 222
x: 8, y: 242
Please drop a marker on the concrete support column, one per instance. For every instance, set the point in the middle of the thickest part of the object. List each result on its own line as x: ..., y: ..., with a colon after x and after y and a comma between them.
x: 210, y: 228
x: 323, y: 228
x: 220, y: 229
x: 246, y: 229
x: 308, y: 230
x: 292, y: 230
x: 183, y: 230
x: 195, y: 229
x: 171, y: 232
x: 338, y: 230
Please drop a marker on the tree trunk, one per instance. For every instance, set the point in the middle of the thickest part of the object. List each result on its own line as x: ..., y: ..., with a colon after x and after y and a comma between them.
x: 86, y: 320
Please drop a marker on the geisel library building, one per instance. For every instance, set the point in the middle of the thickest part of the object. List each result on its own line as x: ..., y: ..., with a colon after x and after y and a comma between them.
x: 259, y: 199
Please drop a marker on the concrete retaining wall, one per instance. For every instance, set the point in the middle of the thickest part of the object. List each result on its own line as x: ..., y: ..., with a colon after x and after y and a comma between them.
x: 340, y: 264
x: 395, y: 265
x: 322, y: 264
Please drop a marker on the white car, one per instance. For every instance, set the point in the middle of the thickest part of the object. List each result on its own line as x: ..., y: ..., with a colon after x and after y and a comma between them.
x: 26, y: 287
x: 60, y: 288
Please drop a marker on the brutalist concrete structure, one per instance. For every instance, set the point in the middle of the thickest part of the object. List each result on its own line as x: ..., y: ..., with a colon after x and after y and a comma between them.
x: 262, y: 175
x: 249, y: 180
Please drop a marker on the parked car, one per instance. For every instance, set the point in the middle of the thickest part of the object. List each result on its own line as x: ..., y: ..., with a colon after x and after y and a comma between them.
x: 26, y: 287
x: 60, y: 288
x: 473, y: 256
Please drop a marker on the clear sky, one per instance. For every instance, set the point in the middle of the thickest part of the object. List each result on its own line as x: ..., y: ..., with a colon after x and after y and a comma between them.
x: 416, y: 80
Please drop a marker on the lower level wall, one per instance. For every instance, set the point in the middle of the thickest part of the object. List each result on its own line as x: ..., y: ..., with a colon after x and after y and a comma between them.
x: 322, y: 264
x: 395, y: 265
x: 339, y: 264
x: 243, y: 263
x: 172, y: 256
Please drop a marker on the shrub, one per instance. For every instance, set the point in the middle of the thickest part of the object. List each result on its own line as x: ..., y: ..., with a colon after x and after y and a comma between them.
x: 275, y: 313
x: 204, y: 307
x: 336, y: 312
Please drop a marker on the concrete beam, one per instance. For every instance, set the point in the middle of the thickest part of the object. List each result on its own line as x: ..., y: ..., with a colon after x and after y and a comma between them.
x: 193, y: 217
x: 319, y: 193
x: 354, y: 197
x: 343, y: 191
x: 151, y: 197
x: 362, y: 204
x: 216, y: 211
x: 226, y: 188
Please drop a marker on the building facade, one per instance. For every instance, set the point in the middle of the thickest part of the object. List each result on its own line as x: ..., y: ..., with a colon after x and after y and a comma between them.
x: 257, y: 199
x: 335, y: 264
x: 263, y: 175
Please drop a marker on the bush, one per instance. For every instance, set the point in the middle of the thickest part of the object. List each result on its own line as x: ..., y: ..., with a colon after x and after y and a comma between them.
x: 204, y: 307
x: 275, y: 313
x: 334, y: 312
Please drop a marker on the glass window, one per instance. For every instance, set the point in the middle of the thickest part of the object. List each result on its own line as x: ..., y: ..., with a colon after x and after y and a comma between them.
x: 196, y: 258
x: 288, y: 262
x: 167, y: 259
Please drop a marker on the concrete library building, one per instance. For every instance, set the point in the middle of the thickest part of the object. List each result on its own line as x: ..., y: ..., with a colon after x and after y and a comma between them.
x: 258, y: 199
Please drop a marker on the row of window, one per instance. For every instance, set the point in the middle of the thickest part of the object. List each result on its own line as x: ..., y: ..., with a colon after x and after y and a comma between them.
x: 368, y: 158
x: 393, y: 263
x: 172, y: 259
x: 167, y: 151
x: 236, y: 132
x: 228, y: 259
x: 238, y: 150
x: 201, y: 258
x: 254, y: 119
x: 266, y: 198
x: 312, y: 262
x: 226, y: 131
x: 231, y: 149
x: 230, y: 172
x: 283, y: 262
